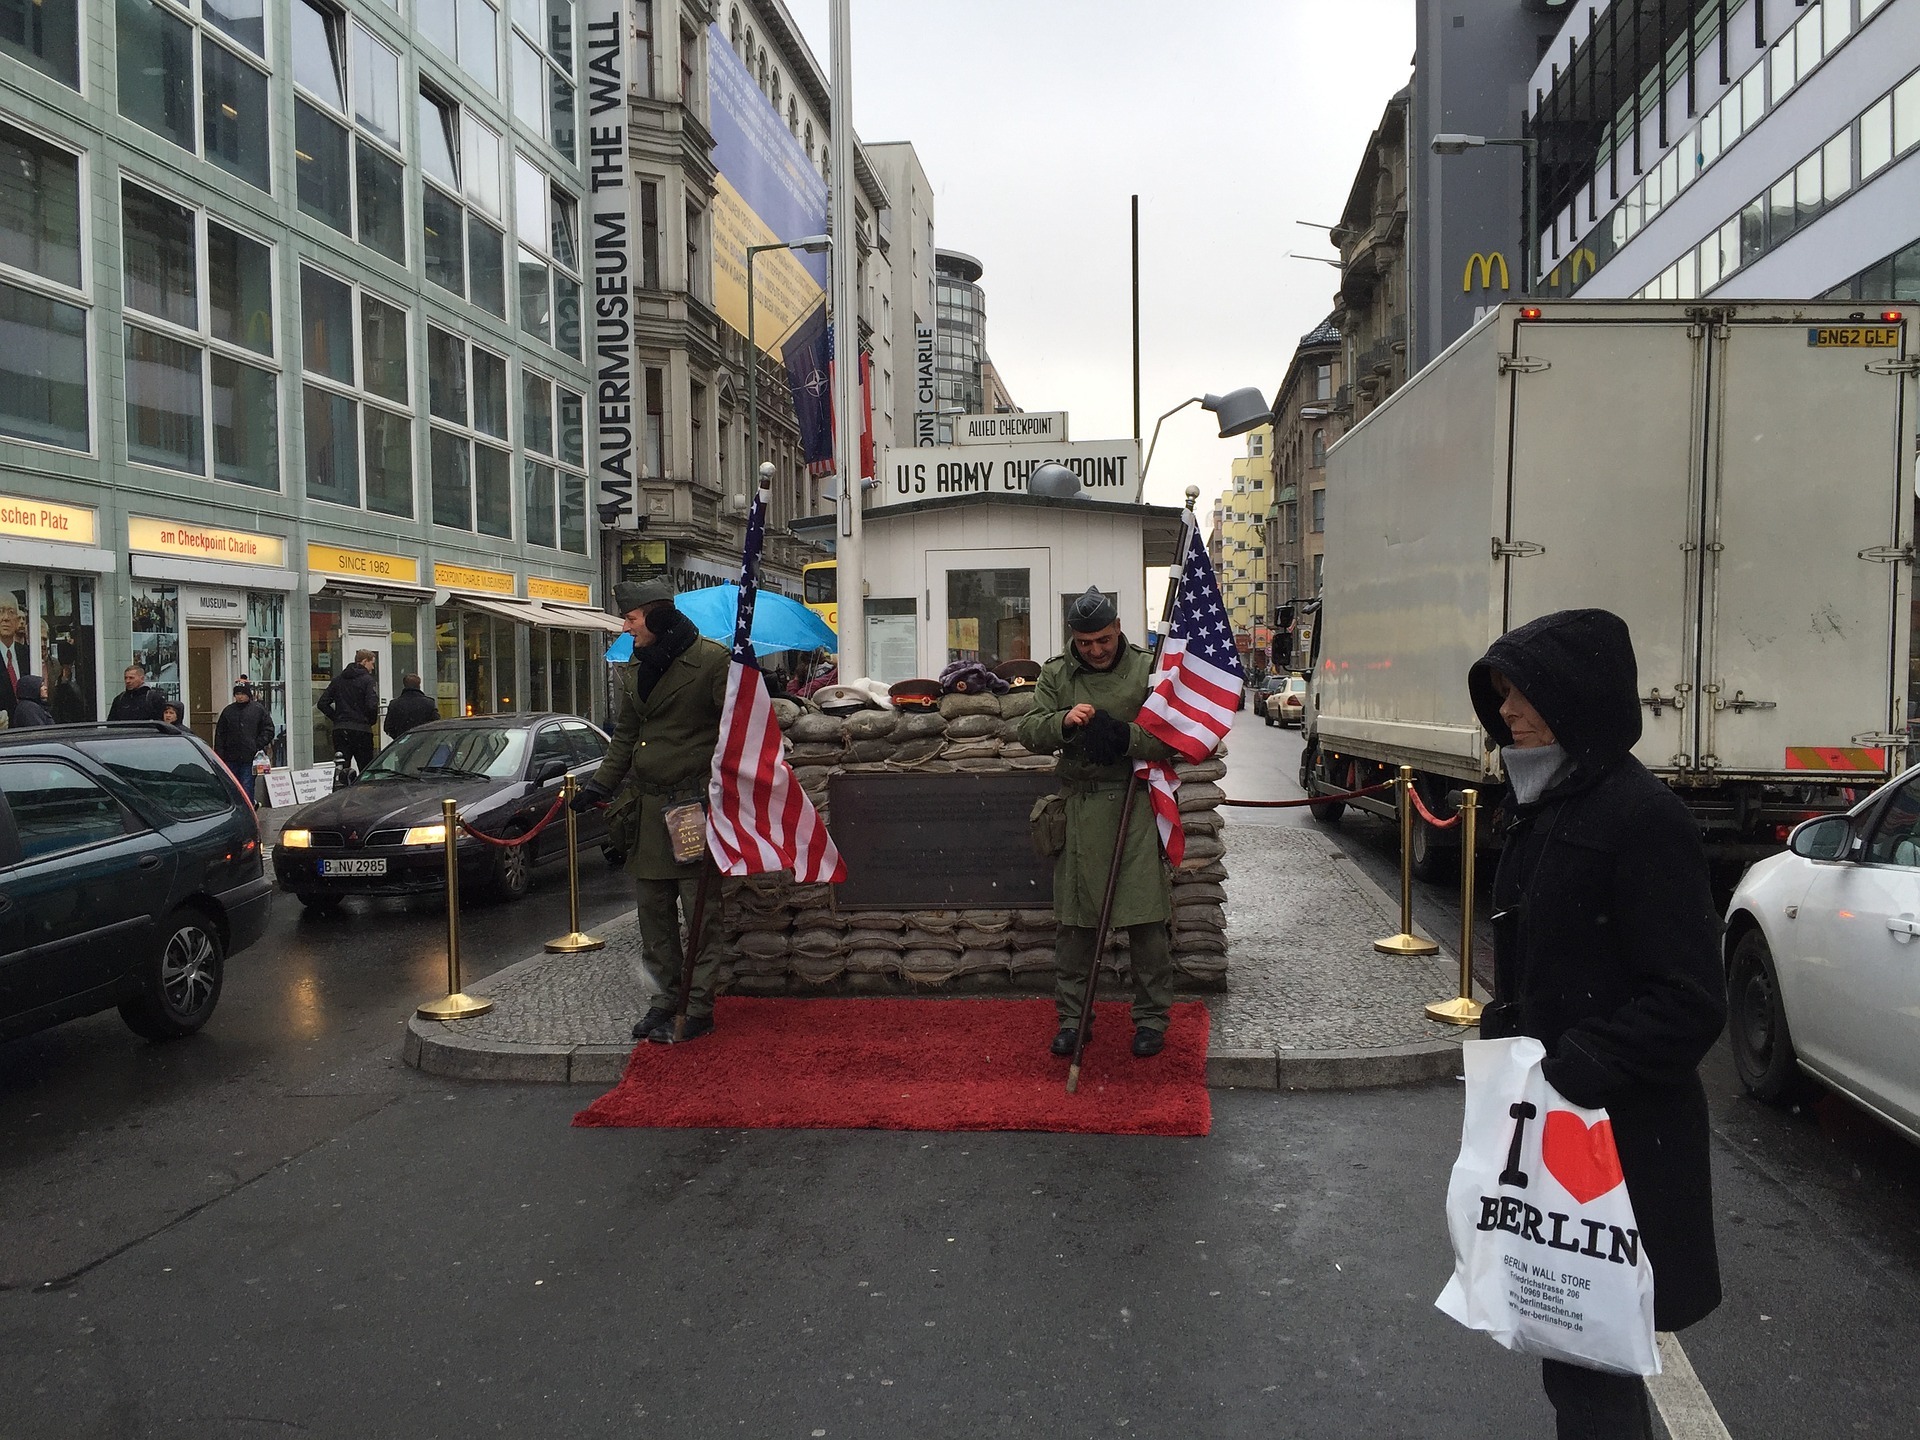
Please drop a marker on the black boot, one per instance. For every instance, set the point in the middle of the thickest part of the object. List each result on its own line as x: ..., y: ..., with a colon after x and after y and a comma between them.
x: 1148, y: 1043
x: 651, y: 1021
x: 1063, y: 1042
x: 697, y: 1025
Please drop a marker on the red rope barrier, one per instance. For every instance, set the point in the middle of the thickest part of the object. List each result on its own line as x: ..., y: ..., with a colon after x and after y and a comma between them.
x: 1311, y: 799
x: 508, y: 842
x: 1427, y: 815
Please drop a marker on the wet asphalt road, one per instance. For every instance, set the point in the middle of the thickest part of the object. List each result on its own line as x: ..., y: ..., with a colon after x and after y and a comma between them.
x: 275, y: 1228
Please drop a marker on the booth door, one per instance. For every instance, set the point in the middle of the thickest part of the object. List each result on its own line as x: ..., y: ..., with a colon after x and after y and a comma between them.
x: 989, y: 606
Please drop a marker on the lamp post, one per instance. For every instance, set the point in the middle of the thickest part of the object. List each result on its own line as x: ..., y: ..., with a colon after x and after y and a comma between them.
x: 1529, y: 149
x: 1239, y: 412
x: 813, y: 245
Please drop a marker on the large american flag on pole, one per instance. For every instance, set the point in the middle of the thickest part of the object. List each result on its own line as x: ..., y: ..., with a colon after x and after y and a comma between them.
x: 758, y: 817
x: 1196, y: 687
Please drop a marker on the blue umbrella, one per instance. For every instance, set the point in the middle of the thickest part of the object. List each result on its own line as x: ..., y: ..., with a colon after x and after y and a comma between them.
x: 779, y: 623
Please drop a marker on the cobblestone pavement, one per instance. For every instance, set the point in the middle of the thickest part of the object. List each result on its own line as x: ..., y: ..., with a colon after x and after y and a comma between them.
x: 1302, y: 971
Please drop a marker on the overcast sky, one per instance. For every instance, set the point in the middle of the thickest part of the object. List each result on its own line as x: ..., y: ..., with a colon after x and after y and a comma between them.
x: 1036, y: 119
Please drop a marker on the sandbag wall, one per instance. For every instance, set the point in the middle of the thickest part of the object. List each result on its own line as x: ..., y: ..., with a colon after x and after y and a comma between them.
x: 784, y: 937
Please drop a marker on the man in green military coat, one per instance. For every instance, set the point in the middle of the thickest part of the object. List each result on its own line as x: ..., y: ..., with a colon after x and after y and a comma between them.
x: 671, y: 694
x: 1083, y: 709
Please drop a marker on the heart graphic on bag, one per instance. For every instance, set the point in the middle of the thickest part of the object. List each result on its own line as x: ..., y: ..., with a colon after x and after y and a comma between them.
x: 1580, y: 1156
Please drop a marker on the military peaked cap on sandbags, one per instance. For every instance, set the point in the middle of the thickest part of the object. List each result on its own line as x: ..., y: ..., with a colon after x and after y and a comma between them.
x: 1092, y: 611
x: 631, y: 595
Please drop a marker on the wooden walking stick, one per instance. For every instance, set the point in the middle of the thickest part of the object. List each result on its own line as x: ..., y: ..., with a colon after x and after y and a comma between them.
x: 1126, y: 807
x: 696, y: 923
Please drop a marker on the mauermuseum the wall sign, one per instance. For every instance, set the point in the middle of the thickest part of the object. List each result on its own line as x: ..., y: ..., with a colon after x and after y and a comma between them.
x: 1108, y: 470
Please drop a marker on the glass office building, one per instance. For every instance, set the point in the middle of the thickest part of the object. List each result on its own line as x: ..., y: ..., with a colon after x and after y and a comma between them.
x: 292, y: 359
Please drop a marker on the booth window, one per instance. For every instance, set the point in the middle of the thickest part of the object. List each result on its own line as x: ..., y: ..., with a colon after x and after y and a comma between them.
x: 989, y: 615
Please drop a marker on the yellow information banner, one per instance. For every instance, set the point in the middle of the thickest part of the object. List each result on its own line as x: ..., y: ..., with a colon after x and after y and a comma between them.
x: 362, y: 564
x: 783, y: 291
x: 467, y: 577
x: 44, y: 520
x: 566, y: 591
x: 204, y: 542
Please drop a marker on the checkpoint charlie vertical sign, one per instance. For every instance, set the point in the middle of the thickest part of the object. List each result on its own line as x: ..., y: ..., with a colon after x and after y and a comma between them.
x: 610, y: 55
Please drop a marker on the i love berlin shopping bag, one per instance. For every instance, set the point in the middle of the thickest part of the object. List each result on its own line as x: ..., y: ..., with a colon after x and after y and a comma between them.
x: 1546, y: 1253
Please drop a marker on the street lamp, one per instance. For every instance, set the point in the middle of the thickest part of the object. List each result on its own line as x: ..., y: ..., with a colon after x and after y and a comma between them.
x: 1529, y: 149
x: 1239, y: 412
x: 813, y: 245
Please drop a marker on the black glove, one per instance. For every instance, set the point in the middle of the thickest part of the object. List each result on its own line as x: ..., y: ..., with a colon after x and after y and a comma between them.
x: 588, y: 796
x: 1105, y: 739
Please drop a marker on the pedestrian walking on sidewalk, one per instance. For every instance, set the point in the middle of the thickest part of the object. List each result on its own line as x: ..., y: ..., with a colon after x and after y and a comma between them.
x: 243, y: 730
x: 411, y: 708
x: 138, y: 700
x: 1607, y: 951
x: 671, y: 694
x: 1083, y: 711
x: 352, y: 703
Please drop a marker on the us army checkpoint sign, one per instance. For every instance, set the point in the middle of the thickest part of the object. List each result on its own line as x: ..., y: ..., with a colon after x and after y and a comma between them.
x: 1109, y: 470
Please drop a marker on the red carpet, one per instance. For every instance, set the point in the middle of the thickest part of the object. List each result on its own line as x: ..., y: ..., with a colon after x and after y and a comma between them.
x: 912, y: 1065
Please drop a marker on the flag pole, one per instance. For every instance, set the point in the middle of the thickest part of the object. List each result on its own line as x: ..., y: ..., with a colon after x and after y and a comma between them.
x: 1101, y: 931
x: 850, y: 570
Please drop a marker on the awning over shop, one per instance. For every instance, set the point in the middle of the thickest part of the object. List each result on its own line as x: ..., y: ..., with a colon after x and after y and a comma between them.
x: 543, y: 615
x: 388, y: 590
x: 212, y: 572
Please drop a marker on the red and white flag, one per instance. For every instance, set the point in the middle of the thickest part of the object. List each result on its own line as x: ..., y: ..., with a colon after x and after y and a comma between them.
x: 1196, y: 688
x: 758, y: 817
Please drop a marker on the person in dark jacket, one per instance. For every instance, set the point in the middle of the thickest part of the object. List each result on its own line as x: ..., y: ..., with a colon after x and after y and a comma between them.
x: 28, y: 711
x: 1607, y: 951
x: 139, y: 700
x: 352, y: 704
x: 244, y: 729
x: 409, y: 708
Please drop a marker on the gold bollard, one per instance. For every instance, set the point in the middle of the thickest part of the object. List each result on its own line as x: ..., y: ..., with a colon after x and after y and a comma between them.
x: 1406, y: 942
x: 456, y: 1006
x: 575, y: 940
x: 1463, y: 1009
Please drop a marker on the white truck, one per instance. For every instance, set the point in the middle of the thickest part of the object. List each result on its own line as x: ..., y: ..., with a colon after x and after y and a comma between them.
x: 1734, y: 480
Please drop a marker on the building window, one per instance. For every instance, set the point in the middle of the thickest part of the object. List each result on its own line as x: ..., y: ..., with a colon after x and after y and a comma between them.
x: 201, y: 383
x: 350, y: 176
x: 1323, y: 382
x: 1319, y: 446
x: 1319, y: 512
x: 542, y: 70
x: 1256, y: 445
x: 547, y: 224
x: 655, y: 457
x: 641, y: 81
x: 223, y: 116
x: 356, y: 398
x: 553, y: 433
x: 467, y: 398
x: 461, y: 198
x: 43, y: 302
x: 649, y: 235
x: 44, y: 34
x: 696, y: 286
x: 1319, y: 573
x: 466, y: 30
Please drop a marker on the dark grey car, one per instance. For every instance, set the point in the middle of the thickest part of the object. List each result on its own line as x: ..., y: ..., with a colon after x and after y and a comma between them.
x: 130, y: 870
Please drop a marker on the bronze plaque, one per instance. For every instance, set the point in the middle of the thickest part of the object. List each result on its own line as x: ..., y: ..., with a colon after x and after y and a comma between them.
x: 939, y: 842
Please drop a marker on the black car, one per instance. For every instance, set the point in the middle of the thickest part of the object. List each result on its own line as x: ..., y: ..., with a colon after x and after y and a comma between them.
x: 130, y: 870
x: 383, y: 834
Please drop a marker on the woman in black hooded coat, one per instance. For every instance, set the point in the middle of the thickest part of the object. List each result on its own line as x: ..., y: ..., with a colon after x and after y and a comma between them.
x: 1607, y: 951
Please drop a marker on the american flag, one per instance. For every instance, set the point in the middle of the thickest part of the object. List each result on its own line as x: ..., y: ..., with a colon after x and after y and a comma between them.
x: 1196, y: 687
x: 758, y: 817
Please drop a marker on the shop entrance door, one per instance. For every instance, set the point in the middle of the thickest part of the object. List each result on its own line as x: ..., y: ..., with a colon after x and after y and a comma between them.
x: 369, y: 626
x: 213, y: 660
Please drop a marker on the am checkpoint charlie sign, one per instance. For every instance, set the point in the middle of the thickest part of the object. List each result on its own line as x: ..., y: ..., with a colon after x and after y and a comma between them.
x: 1109, y: 470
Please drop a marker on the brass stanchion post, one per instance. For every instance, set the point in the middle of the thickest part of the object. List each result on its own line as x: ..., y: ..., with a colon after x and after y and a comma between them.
x: 456, y: 1006
x: 1463, y: 1009
x: 1406, y: 942
x: 575, y: 939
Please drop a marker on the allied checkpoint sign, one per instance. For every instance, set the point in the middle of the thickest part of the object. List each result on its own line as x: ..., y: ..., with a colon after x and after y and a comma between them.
x: 1109, y: 470
x: 606, y: 27
x: 767, y: 191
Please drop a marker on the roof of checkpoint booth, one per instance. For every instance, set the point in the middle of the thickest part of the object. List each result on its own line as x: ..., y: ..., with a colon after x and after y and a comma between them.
x: 1159, y: 524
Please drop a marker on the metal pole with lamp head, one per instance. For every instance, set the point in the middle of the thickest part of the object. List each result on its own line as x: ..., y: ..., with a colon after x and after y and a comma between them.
x: 1529, y: 148
x: 850, y: 572
x: 1239, y: 412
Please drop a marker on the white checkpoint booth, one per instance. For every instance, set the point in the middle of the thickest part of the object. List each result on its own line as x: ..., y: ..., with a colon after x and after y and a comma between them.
x: 988, y: 576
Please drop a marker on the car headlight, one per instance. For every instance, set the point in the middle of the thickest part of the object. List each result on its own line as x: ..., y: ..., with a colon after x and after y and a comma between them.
x: 425, y: 835
x: 296, y: 839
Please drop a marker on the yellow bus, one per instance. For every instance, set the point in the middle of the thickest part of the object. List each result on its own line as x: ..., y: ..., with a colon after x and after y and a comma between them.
x: 819, y: 586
